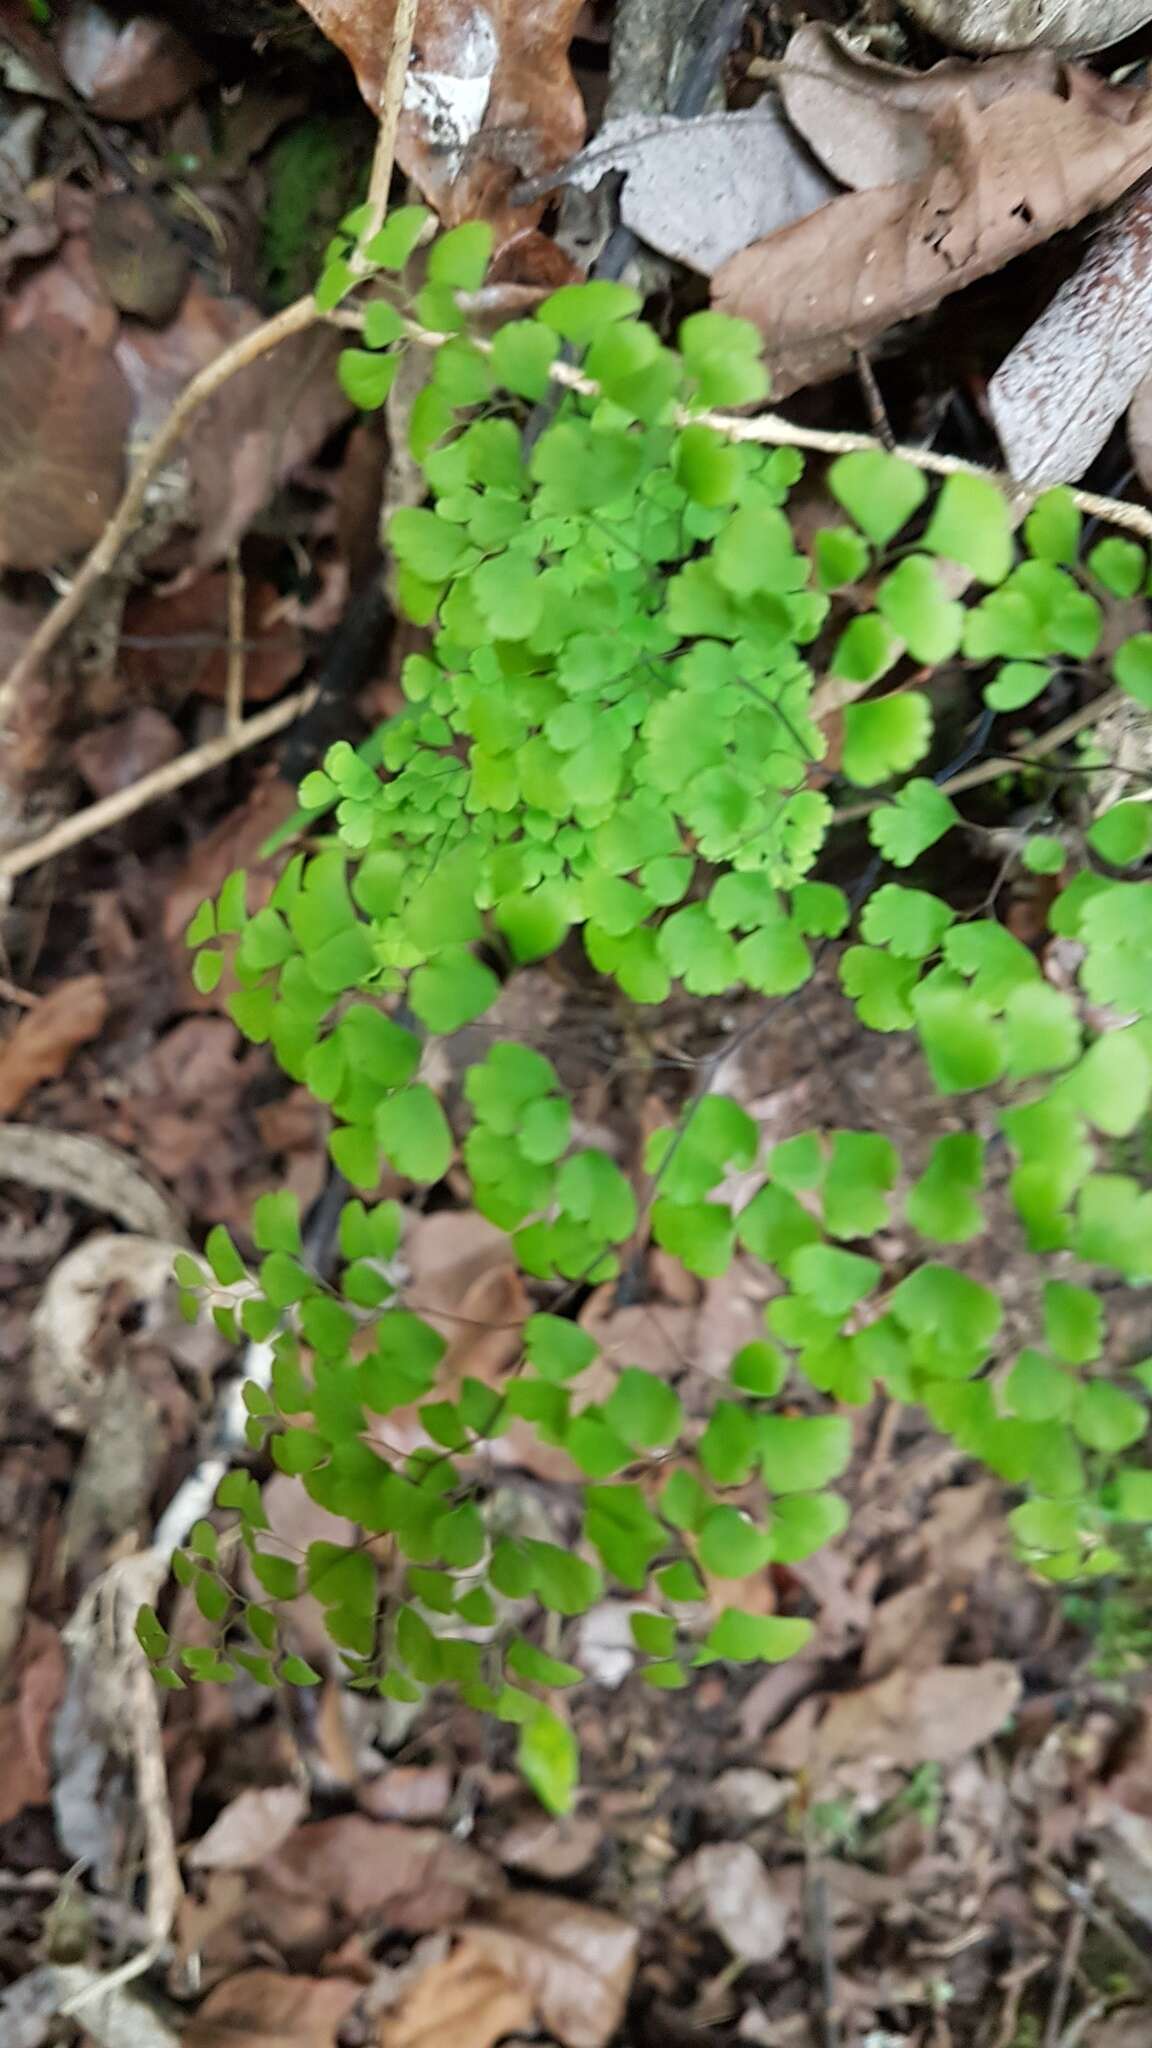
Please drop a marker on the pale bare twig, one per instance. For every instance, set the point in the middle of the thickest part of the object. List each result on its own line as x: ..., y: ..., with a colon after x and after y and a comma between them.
x: 391, y: 101
x: 234, y: 684
x: 123, y: 803
x: 1070, y: 1956
x: 773, y: 430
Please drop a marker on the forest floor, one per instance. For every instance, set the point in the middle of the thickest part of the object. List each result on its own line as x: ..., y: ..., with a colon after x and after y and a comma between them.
x: 933, y: 1829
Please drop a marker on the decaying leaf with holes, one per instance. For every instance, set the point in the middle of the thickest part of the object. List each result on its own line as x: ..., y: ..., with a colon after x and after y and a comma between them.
x: 1003, y: 179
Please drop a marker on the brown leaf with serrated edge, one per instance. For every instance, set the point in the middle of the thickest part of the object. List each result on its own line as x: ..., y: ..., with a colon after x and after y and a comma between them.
x: 45, y: 1038
x: 1004, y: 179
x: 868, y: 122
x: 490, y: 96
x: 64, y: 414
x: 266, y: 2009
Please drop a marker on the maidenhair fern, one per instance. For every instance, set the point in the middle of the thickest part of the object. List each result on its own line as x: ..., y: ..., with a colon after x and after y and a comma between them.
x: 614, y: 733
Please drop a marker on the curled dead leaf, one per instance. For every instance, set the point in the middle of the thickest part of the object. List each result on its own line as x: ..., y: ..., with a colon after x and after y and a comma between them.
x: 91, y: 1171
x: 490, y: 96
x: 66, y: 1376
x: 45, y: 1038
x: 1005, y: 178
x: 869, y: 122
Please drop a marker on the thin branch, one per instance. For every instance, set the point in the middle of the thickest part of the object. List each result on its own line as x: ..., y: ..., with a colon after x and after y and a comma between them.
x: 295, y: 319
x: 391, y: 102
x: 111, y: 810
x: 772, y: 429
x: 234, y: 683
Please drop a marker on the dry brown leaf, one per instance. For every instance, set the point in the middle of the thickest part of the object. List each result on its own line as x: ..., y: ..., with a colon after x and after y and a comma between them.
x: 911, y: 1630
x: 554, y: 1849
x: 1058, y: 394
x: 235, y: 843
x: 142, y: 265
x: 114, y: 756
x: 919, y: 1717
x: 182, y: 641
x: 751, y: 1908
x: 408, y: 1792
x: 490, y: 96
x: 260, y: 426
x: 45, y: 1038
x: 126, y: 70
x: 868, y: 122
x: 412, y: 1878
x: 575, y: 1962
x: 252, y: 1826
x: 64, y: 414
x: 265, y: 2009
x: 1068, y: 25
x: 464, y: 1999
x: 1006, y: 178
x: 26, y: 1720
